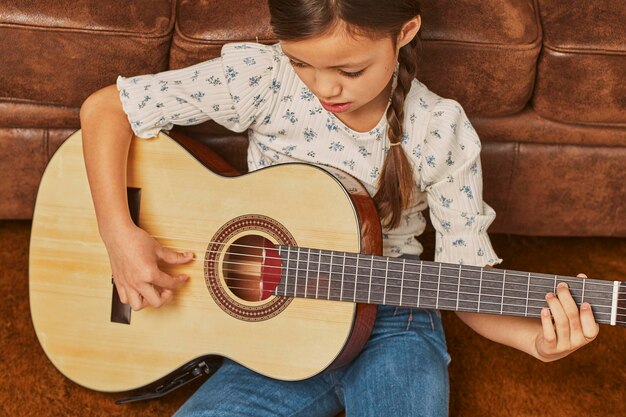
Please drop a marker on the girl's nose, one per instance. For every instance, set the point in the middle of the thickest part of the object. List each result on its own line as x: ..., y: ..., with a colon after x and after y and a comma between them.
x: 327, y: 85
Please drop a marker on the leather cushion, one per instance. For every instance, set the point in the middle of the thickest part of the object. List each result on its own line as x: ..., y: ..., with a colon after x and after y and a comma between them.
x: 489, y: 66
x: 582, y: 70
x: 73, y: 48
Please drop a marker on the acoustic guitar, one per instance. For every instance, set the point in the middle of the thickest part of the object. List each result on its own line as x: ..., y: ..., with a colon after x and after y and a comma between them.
x: 286, y: 278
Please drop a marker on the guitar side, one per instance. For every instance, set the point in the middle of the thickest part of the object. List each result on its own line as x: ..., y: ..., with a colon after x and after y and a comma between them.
x: 184, y: 206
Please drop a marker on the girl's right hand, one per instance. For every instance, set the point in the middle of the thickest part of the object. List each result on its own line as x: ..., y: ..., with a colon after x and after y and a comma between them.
x: 135, y: 257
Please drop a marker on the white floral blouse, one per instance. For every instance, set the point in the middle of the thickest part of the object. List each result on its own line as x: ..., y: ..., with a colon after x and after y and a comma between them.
x: 254, y: 87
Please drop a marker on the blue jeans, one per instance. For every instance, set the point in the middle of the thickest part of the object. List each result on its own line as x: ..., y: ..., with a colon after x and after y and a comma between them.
x: 402, y: 371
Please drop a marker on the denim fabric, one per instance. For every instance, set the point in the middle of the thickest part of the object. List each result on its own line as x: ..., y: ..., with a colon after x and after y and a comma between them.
x: 402, y: 371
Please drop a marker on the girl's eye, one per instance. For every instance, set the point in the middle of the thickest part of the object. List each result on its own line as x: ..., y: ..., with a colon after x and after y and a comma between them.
x: 352, y: 74
x: 297, y: 64
x: 356, y: 74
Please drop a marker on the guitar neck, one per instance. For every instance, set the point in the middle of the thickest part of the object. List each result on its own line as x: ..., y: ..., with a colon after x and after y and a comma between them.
x: 342, y: 276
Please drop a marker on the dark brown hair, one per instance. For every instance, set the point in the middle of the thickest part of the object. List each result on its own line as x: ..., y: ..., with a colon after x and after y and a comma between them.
x: 301, y: 19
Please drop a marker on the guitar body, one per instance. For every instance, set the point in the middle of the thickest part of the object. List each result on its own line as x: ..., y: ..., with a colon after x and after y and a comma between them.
x: 180, y: 201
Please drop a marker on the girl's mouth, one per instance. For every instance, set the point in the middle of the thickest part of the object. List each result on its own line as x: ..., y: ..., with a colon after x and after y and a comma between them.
x: 336, y: 107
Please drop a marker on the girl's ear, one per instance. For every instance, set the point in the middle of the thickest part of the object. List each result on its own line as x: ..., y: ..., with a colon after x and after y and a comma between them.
x: 409, y: 31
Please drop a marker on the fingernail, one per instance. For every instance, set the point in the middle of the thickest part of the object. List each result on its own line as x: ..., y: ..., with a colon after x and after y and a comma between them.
x: 545, y: 312
x: 550, y: 295
x: 585, y: 306
x: 562, y: 285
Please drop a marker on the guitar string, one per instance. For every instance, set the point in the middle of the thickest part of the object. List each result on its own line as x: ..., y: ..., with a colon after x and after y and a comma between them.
x: 598, y: 315
x: 312, y: 288
x: 530, y: 311
x: 574, y: 280
x: 354, y: 256
x: 397, y: 262
x: 392, y: 260
x: 533, y: 288
x: 540, y: 289
x: 455, y: 268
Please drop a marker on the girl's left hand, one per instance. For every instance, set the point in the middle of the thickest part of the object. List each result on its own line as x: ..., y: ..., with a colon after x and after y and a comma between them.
x: 571, y: 328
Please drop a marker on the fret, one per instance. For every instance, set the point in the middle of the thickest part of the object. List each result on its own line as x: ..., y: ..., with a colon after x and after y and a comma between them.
x: 330, y: 274
x: 527, y: 295
x: 356, y: 276
x: 614, y: 303
x: 458, y: 290
x: 287, y: 270
x: 438, y: 287
x: 386, y: 276
x: 297, y: 267
x: 317, y: 281
x: 402, y: 281
x: 502, y: 296
x: 419, y: 286
x: 343, y: 271
x: 306, y: 277
x: 369, y: 290
x: 480, y: 289
x: 582, y: 296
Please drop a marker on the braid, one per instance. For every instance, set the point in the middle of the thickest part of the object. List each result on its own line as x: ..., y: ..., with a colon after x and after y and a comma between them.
x: 396, y: 184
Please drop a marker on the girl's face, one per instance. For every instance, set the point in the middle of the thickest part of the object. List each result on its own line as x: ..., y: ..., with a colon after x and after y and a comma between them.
x: 351, y: 75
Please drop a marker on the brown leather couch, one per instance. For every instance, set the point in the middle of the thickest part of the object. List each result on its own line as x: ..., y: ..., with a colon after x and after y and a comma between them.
x: 542, y: 81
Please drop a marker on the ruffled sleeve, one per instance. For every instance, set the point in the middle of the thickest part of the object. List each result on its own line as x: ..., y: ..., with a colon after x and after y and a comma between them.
x: 452, y: 177
x: 232, y: 90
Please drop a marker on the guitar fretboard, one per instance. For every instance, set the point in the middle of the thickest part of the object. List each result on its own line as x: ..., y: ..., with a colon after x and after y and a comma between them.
x: 343, y: 276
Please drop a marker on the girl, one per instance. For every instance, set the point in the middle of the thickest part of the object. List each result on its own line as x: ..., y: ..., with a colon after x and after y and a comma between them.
x: 340, y: 90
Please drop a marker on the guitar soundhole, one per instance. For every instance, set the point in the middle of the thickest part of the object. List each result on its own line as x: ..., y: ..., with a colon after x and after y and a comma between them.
x: 252, y: 268
x: 242, y: 267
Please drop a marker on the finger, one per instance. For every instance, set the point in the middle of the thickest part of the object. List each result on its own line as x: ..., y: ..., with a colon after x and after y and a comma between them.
x: 589, y: 326
x: 135, y: 300
x: 172, y: 257
x: 572, y: 313
x: 156, y: 297
x: 561, y: 322
x: 151, y: 296
x: 144, y: 303
x: 121, y: 292
x: 166, y: 281
x: 549, y: 334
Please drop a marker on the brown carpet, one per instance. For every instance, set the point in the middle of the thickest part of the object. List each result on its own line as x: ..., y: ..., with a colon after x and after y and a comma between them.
x: 487, y: 380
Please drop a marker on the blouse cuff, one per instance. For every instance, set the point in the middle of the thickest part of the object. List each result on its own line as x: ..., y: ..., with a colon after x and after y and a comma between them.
x: 135, y: 94
x: 475, y: 249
